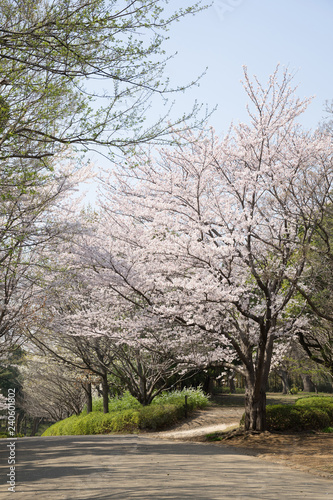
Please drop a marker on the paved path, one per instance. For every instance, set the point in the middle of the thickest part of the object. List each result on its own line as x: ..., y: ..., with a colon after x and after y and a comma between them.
x: 142, y: 468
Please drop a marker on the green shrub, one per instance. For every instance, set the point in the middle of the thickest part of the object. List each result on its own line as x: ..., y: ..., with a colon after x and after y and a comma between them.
x: 5, y: 435
x: 124, y: 421
x: 156, y: 417
x: 126, y: 414
x: 282, y: 418
x: 314, y: 419
x: 96, y: 423
x: 85, y: 424
x: 125, y: 402
x: 295, y: 418
x: 58, y: 429
x: 196, y: 398
x: 324, y: 403
x: 317, y: 401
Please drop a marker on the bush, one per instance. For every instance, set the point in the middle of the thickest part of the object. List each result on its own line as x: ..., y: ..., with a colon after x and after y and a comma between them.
x: 282, y: 418
x: 124, y: 421
x: 295, y: 418
x: 125, y: 402
x: 96, y: 423
x: 196, y: 398
x: 315, y: 401
x: 156, y: 417
x: 85, y: 425
x: 60, y: 428
x: 324, y: 403
x: 128, y: 415
x: 314, y: 419
x: 5, y: 435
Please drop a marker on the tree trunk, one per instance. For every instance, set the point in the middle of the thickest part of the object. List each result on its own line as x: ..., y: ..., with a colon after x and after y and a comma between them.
x: 145, y: 399
x: 18, y: 424
x: 285, y: 382
x: 24, y: 425
x: 208, y: 385
x: 105, y: 391
x: 256, y: 379
x: 307, y: 383
x: 231, y: 380
x: 35, y: 425
x: 255, y: 409
x: 87, y: 389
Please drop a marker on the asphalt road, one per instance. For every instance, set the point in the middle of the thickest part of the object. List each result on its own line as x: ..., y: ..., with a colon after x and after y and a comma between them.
x: 137, y: 467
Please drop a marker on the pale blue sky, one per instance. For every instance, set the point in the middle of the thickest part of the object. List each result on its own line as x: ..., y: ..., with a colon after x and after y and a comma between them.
x: 259, y: 34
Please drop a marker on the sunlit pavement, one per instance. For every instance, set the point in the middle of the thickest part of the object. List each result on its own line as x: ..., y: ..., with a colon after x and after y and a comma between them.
x: 135, y: 467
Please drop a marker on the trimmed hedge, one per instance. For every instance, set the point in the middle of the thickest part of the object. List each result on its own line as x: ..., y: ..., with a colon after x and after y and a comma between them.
x: 295, y: 418
x: 96, y: 423
x: 308, y: 413
x: 127, y: 415
x: 320, y: 402
x: 155, y: 417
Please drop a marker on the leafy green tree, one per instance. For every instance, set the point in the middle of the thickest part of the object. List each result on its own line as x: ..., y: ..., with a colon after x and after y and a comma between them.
x: 81, y: 72
x: 73, y: 73
x: 10, y: 377
x: 316, y: 291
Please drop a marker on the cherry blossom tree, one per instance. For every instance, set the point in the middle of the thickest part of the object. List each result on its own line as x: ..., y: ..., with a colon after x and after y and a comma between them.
x: 51, y: 390
x: 84, y: 323
x: 213, y: 235
x: 31, y: 204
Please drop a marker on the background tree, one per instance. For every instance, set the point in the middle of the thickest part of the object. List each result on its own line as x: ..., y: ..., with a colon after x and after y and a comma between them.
x: 51, y: 390
x: 29, y: 204
x: 85, y: 323
x: 315, y: 291
x: 54, y: 57
x: 81, y: 72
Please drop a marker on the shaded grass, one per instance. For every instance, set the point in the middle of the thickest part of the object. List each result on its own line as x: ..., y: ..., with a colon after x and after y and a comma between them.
x: 271, y: 398
x: 289, y: 413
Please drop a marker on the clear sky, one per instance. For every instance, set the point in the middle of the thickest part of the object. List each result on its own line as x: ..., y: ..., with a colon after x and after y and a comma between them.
x: 256, y: 33
x: 259, y: 34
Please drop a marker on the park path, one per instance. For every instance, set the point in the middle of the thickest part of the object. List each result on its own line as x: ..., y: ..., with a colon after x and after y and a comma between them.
x: 143, y: 468
x: 202, y: 422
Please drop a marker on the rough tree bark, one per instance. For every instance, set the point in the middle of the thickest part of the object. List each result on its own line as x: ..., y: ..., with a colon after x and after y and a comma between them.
x: 284, y: 379
x: 87, y: 389
x: 255, y: 409
x: 105, y: 393
x: 308, y: 385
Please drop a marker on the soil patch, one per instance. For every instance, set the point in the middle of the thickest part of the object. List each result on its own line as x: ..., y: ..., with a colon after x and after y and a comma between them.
x: 311, y: 452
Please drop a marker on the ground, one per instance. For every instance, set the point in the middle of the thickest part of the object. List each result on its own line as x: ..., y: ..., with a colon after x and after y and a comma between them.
x: 303, y: 451
x: 312, y: 452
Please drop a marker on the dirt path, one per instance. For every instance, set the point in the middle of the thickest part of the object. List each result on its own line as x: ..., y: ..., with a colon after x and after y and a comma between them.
x: 202, y: 422
x: 310, y: 452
